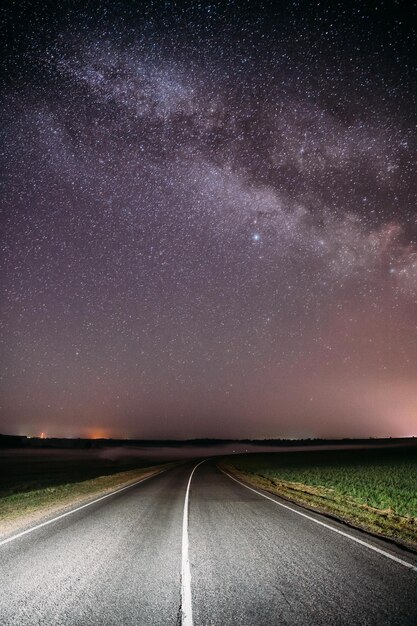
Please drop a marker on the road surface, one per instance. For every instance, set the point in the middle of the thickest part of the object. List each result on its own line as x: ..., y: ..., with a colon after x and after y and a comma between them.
x: 123, y: 561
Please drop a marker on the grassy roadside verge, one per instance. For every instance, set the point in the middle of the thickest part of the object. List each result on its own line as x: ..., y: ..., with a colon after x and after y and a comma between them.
x: 20, y: 510
x: 347, y: 492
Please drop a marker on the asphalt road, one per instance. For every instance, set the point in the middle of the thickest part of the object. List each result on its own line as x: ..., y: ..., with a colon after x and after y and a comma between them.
x: 252, y: 561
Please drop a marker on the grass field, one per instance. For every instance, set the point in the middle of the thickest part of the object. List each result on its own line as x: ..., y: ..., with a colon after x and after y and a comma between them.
x: 38, y: 483
x: 27, y: 470
x: 373, y: 489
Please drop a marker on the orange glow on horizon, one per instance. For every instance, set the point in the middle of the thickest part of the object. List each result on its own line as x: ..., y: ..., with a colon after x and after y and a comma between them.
x: 97, y: 433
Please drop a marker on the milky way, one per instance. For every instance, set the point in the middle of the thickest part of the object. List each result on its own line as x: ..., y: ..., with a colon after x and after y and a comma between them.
x: 209, y: 220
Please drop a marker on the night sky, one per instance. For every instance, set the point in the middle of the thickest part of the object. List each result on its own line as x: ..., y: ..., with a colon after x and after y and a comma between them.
x: 209, y: 221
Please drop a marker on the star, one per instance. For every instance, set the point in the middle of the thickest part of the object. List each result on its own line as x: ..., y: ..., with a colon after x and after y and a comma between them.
x: 196, y: 204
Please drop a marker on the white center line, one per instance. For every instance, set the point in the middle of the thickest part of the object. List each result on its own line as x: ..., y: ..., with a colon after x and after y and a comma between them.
x: 186, y: 600
x: 335, y: 530
x: 79, y: 508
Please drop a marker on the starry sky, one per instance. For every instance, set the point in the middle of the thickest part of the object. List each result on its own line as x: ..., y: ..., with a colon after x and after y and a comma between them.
x: 209, y: 222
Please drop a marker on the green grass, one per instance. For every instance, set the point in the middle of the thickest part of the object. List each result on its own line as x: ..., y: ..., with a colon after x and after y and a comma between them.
x: 372, y: 489
x: 31, y: 470
x: 19, y: 508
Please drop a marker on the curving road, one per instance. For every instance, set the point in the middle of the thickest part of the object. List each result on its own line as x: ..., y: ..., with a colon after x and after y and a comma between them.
x: 124, y: 560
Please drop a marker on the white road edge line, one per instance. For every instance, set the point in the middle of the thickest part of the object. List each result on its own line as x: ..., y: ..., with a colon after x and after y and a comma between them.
x: 186, y: 600
x: 335, y: 530
x: 83, y: 506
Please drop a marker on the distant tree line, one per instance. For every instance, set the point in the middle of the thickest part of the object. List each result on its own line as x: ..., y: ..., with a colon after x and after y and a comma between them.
x: 16, y: 441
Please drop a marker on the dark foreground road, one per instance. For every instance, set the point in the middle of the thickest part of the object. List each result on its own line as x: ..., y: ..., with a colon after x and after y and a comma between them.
x: 252, y: 562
